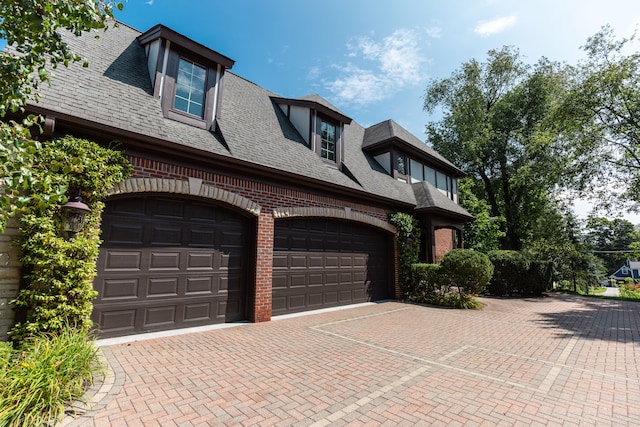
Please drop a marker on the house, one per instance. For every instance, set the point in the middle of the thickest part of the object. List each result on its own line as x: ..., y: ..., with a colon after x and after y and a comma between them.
x: 243, y: 204
x: 630, y: 270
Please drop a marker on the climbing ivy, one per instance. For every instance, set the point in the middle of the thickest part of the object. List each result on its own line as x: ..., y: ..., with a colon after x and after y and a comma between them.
x: 408, y: 246
x: 58, y: 273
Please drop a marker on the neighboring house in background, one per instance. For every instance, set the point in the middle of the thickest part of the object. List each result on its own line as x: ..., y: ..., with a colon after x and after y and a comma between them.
x: 243, y: 204
x: 630, y: 270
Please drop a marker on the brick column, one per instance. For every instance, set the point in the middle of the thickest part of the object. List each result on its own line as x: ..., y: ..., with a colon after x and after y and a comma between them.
x: 264, y: 268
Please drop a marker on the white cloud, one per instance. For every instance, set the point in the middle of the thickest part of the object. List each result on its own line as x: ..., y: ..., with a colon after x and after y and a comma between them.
x: 150, y: 2
x: 434, y: 32
x: 383, y: 68
x: 487, y: 28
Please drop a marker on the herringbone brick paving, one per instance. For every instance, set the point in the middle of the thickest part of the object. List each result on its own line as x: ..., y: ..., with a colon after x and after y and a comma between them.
x: 557, y: 360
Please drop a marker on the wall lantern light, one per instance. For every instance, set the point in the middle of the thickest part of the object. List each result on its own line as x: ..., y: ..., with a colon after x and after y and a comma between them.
x: 74, y: 214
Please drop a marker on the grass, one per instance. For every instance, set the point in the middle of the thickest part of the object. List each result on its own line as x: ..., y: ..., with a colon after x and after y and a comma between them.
x: 41, y: 377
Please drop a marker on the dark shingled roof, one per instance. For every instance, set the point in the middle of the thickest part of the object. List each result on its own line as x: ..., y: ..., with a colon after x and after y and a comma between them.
x: 430, y: 199
x: 389, y: 130
x: 115, y: 92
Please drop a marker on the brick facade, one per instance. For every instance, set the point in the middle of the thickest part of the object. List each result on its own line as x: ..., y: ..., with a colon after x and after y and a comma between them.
x: 445, y: 241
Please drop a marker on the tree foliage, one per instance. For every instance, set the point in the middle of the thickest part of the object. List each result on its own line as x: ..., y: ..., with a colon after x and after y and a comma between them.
x: 601, y: 116
x: 610, y: 238
x: 485, y: 232
x: 31, y: 28
x: 496, y: 126
x: 408, y: 241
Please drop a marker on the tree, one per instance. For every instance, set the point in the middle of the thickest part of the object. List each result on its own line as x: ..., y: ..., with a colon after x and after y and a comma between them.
x: 31, y: 27
x: 612, y: 236
x: 484, y: 233
x: 497, y: 127
x: 601, y: 117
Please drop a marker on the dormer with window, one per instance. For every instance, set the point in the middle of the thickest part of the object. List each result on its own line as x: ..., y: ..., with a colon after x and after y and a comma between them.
x: 409, y: 160
x: 321, y: 127
x: 186, y: 76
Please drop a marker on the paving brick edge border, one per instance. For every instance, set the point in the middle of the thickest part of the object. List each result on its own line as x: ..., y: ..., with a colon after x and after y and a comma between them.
x: 104, y: 388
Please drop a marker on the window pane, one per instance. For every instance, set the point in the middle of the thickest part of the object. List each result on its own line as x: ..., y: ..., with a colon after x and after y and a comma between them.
x: 441, y: 181
x: 416, y: 170
x: 328, y: 141
x: 430, y: 175
x: 190, y: 88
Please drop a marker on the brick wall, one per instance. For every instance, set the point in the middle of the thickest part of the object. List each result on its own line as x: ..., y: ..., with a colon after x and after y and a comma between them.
x: 445, y: 241
x: 9, y: 277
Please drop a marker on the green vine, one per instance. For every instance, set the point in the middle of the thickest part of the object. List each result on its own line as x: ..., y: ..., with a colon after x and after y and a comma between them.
x: 58, y: 273
x: 408, y: 247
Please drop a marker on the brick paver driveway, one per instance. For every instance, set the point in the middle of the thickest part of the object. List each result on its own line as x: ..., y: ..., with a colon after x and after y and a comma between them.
x: 548, y: 361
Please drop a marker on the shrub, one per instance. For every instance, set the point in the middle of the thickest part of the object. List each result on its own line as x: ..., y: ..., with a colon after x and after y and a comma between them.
x: 408, y: 241
x: 57, y: 272
x: 467, y: 269
x: 537, y: 278
x: 510, y: 270
x: 42, y: 376
x: 428, y: 283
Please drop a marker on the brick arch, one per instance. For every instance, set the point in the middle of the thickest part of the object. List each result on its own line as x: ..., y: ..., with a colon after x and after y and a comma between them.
x: 192, y: 186
x: 344, y: 214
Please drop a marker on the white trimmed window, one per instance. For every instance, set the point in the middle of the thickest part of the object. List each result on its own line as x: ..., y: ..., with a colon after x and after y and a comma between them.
x: 328, y: 141
x: 190, y: 88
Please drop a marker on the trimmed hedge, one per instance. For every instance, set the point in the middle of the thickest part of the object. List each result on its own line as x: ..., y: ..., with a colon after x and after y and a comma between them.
x: 467, y: 269
x: 510, y: 269
x: 516, y: 275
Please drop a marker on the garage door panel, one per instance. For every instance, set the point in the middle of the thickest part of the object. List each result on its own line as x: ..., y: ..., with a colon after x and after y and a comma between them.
x: 155, y: 317
x: 117, y: 322
x: 169, y: 209
x: 185, y: 269
x: 199, y: 285
x: 339, y: 264
x: 164, y: 261
x: 118, y: 289
x: 126, y: 233
x: 197, y: 311
x: 162, y: 287
x: 166, y: 236
x: 122, y: 260
x: 201, y: 261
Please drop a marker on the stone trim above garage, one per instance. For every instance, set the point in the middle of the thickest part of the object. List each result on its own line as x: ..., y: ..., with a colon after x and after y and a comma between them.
x: 192, y: 186
x: 344, y: 213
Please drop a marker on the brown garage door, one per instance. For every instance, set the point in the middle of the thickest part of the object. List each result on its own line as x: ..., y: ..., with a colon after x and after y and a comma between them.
x: 320, y: 263
x: 169, y: 263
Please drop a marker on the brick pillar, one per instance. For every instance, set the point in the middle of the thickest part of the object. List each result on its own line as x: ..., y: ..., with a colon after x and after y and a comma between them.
x: 264, y: 268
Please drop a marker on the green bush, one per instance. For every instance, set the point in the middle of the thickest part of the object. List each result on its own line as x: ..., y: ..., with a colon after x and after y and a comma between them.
x: 428, y: 283
x: 467, y: 269
x: 57, y: 272
x: 537, y: 278
x: 408, y: 243
x: 510, y: 270
x: 42, y: 376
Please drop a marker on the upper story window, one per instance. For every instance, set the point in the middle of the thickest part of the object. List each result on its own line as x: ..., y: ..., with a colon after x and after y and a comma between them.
x: 190, y: 88
x: 328, y: 141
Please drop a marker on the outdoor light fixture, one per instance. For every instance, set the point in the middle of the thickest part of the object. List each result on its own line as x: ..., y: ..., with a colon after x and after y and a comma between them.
x: 74, y: 214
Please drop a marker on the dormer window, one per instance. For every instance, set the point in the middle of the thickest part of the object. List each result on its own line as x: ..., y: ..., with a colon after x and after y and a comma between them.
x: 190, y: 88
x: 328, y: 141
x: 186, y: 76
x: 320, y: 126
